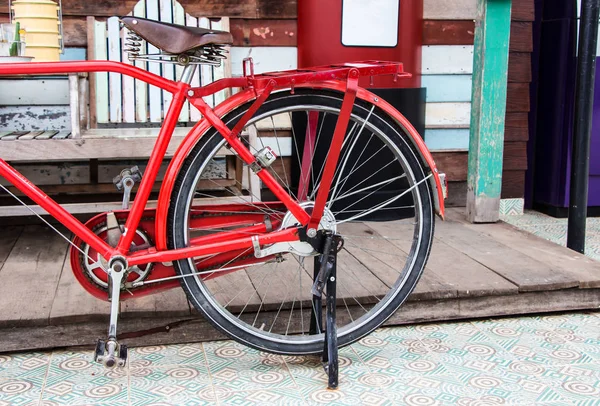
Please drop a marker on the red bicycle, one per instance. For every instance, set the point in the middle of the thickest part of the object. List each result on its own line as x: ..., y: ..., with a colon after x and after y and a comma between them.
x: 333, y: 159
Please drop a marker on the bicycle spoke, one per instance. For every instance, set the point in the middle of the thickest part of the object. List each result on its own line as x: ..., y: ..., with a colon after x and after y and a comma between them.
x: 383, y: 183
x: 371, y: 175
x: 383, y: 204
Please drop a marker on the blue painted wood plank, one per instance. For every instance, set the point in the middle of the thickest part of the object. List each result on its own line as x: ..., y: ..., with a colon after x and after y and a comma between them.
x: 447, y: 139
x: 74, y: 54
x: 448, y: 88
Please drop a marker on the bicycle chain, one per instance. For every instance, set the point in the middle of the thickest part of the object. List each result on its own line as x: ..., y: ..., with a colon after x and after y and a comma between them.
x: 102, y: 224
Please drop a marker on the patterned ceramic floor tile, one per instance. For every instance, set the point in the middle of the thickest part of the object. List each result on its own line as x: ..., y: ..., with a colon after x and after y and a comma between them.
x: 175, y: 384
x: 234, y: 367
x: 19, y: 391
x: 535, y: 360
x: 555, y: 229
x: 349, y: 393
x: 282, y: 396
x: 32, y: 365
x: 180, y: 354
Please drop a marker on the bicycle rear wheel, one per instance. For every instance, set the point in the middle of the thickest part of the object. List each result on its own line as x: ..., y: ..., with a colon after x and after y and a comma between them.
x: 380, y: 202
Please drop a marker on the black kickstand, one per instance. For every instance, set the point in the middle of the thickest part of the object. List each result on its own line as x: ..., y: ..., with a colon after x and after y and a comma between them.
x: 325, y: 276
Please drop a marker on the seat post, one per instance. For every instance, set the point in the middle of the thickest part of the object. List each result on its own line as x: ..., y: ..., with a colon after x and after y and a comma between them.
x: 188, y: 72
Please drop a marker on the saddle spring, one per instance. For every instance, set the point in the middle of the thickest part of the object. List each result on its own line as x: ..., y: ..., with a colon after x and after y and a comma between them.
x: 211, y: 54
x: 133, y: 45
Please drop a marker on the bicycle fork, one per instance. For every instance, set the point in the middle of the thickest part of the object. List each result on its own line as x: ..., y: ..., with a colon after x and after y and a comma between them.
x: 109, y: 352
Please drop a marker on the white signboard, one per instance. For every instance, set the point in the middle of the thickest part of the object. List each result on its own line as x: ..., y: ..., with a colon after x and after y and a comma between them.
x: 370, y: 23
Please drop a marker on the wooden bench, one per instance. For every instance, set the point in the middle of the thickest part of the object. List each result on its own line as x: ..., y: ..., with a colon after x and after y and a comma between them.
x: 116, y: 118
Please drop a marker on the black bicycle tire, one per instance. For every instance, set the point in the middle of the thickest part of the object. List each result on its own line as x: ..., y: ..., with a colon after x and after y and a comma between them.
x: 201, y: 152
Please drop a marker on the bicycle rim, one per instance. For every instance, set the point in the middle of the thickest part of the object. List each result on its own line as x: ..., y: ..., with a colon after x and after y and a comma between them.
x: 379, y: 201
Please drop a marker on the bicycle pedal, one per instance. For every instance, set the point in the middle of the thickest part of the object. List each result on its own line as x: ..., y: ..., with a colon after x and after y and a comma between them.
x: 110, y: 353
x: 100, y: 350
x: 123, y: 352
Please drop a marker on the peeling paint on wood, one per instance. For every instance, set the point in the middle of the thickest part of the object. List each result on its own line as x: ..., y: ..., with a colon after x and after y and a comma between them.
x: 488, y: 110
x: 21, y: 118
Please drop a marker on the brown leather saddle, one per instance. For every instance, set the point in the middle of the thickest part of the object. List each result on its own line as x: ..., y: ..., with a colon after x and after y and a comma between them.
x: 173, y: 38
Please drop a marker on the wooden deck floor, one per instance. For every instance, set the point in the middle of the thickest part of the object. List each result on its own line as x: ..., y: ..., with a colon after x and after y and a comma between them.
x: 474, y: 271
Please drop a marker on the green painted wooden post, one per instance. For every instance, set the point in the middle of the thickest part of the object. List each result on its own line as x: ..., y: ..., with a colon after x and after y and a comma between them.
x: 486, y: 144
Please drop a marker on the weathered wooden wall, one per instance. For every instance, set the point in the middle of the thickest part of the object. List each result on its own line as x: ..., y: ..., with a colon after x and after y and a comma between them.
x: 448, y: 34
x: 266, y: 29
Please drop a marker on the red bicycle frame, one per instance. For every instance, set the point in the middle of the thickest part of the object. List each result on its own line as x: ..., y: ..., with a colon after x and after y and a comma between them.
x: 262, y: 85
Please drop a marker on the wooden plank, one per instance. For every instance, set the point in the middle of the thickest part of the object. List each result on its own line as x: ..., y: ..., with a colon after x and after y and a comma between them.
x: 45, y: 135
x: 447, y: 115
x: 195, y: 115
x: 448, y: 32
x: 449, y: 10
x: 517, y: 120
x: 447, y: 59
x: 513, y: 184
x: 91, y: 148
x: 101, y: 78
x: 517, y: 99
x: 90, y: 208
x: 529, y: 274
x: 519, y: 67
x: 206, y: 74
x: 13, y: 135
x: 91, y: 48
x: 386, y: 258
x: 74, y: 102
x: 281, y: 33
x: 39, y: 92
x: 266, y: 59
x: 168, y: 70
x: 521, y: 36
x: 276, y: 8
x: 31, y: 135
x: 453, y: 164
x: 489, y: 103
x: 208, y: 8
x: 234, y: 291
x: 179, y: 18
x: 515, y: 156
x: 141, y: 88
x: 38, y: 257
x: 516, y: 134
x: 74, y: 31
x: 8, y: 238
x: 65, y: 173
x: 172, y: 302
x: 523, y: 10
x: 287, y: 282
x: 61, y: 135
x: 154, y: 93
x: 219, y: 71
x: 447, y: 139
x: 72, y: 303
x: 30, y: 118
x: 569, y: 262
x: 447, y: 88
x: 466, y: 277
x: 225, y: 26
x: 128, y: 99
x: 183, y: 330
x: 114, y: 79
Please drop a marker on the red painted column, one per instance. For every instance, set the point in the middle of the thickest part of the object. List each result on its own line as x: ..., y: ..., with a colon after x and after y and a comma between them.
x: 320, y: 42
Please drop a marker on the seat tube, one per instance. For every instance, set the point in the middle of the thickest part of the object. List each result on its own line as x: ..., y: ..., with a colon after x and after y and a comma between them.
x: 156, y: 158
x: 188, y: 74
